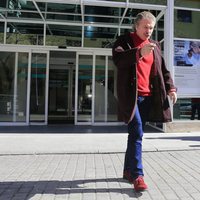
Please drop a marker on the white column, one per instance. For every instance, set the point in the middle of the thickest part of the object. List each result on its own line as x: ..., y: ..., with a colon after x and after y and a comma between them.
x: 169, y: 36
x: 169, y: 43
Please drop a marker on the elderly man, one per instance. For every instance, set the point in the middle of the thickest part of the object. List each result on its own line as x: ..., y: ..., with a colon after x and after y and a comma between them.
x: 143, y: 84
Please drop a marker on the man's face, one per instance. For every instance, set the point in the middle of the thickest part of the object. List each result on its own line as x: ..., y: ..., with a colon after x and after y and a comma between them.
x: 145, y: 28
x: 195, y: 47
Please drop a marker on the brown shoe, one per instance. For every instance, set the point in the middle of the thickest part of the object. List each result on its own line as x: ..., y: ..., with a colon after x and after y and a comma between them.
x: 127, y: 176
x: 139, y: 184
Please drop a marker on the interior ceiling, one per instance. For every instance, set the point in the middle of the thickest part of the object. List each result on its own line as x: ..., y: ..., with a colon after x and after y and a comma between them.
x: 97, y: 18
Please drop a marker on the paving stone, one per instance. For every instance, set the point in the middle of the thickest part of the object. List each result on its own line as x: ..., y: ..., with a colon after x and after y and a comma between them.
x: 99, y: 177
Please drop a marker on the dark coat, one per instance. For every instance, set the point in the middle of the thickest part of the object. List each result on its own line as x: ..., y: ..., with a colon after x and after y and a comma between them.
x: 124, y: 57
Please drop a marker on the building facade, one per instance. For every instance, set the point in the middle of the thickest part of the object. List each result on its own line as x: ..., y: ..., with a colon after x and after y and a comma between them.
x: 56, y: 63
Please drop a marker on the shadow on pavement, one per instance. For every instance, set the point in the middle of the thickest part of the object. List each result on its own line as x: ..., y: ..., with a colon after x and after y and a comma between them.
x: 69, y: 128
x: 28, y: 189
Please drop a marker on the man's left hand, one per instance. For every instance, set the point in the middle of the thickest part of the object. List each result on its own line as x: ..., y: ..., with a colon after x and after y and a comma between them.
x: 173, y: 97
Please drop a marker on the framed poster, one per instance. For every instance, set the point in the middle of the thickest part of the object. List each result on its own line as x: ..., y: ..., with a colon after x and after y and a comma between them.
x: 187, y: 67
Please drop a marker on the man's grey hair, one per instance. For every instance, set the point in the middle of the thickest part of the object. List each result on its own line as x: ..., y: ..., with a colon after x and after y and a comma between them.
x: 144, y: 15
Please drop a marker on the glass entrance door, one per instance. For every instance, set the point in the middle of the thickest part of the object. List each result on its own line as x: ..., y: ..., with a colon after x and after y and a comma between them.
x: 38, y: 91
x: 84, y: 90
x: 13, y: 87
x: 61, y: 87
x: 96, y: 101
x: 105, y: 100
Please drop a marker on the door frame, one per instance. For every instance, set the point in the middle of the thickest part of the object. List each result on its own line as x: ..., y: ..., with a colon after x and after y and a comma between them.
x: 78, y: 53
x: 93, y: 53
x: 46, y: 87
x: 70, y: 76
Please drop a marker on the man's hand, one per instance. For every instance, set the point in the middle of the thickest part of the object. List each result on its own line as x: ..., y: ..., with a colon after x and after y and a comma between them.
x: 173, y: 97
x: 147, y: 49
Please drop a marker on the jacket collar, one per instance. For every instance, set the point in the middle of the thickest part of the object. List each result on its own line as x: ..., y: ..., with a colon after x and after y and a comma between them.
x: 130, y: 41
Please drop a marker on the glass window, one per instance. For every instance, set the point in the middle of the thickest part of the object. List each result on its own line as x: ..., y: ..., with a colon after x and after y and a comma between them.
x: 156, y: 2
x: 1, y: 32
x: 112, y: 92
x: 7, y: 76
x: 184, y: 16
x: 100, y: 83
x: 63, y: 35
x: 66, y: 12
x: 24, y: 9
x: 187, y: 109
x: 3, y: 3
x: 101, y: 37
x: 187, y: 4
x: 25, y: 33
x: 124, y: 31
x: 182, y: 28
x: 61, y: 87
x: 13, y: 96
x: 85, y: 88
x: 114, y: 0
x: 38, y: 87
x: 96, y: 14
x: 22, y: 75
x: 63, y: 8
x: 24, y: 14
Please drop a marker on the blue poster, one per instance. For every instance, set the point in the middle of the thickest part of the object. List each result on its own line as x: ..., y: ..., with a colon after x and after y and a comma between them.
x: 186, y: 53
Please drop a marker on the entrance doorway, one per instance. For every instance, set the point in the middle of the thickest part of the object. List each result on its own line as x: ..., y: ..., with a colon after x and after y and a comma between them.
x: 61, y: 87
x: 38, y: 88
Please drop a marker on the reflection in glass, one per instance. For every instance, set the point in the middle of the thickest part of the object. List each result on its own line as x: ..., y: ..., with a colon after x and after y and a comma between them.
x: 112, y: 93
x: 7, y: 74
x: 85, y: 89
x: 63, y: 12
x: 38, y: 80
x: 61, y: 87
x: 102, y: 37
x: 67, y: 36
x: 1, y: 32
x: 100, y: 106
x: 58, y: 94
x: 157, y: 2
x: 25, y: 33
x: 184, y: 109
x: 22, y: 87
x: 13, y: 96
x: 101, y: 11
x: 63, y: 9
x: 188, y: 25
x: 187, y: 4
x: 25, y: 15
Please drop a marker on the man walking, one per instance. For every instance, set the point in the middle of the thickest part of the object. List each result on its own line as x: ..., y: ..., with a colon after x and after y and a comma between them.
x: 143, y: 87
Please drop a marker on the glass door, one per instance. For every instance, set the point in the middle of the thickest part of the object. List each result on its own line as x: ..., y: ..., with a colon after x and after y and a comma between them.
x: 38, y: 88
x: 105, y: 101
x: 100, y: 108
x: 84, y: 88
x: 13, y: 87
x: 61, y: 87
x: 96, y: 101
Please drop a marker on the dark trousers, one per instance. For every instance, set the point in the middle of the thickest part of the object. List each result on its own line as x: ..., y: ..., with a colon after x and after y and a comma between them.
x: 133, y: 156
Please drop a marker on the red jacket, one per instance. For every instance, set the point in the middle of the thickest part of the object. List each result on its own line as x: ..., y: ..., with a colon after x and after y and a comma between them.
x: 124, y: 57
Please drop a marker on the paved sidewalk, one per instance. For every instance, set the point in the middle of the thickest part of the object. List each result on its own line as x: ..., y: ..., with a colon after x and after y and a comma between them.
x: 89, y: 167
x: 40, y: 143
x: 173, y: 175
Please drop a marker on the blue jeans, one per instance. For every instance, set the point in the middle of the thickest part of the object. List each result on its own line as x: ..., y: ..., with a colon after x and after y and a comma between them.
x: 133, y: 156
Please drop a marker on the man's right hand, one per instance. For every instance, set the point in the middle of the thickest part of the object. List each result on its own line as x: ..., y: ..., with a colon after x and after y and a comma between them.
x: 147, y: 49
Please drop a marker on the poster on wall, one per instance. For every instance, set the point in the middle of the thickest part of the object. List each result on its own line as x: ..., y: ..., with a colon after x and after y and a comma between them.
x: 187, y: 67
